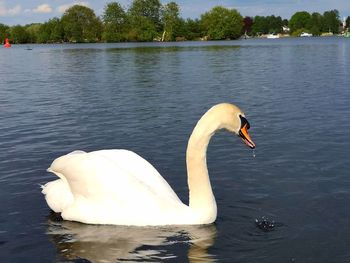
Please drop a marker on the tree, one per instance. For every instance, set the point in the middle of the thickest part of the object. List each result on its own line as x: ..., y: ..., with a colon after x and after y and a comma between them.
x: 33, y: 31
x: 51, y: 31
x: 347, y: 21
x: 149, y: 9
x: 331, y: 21
x: 268, y: 24
x: 300, y: 20
x: 80, y: 24
x: 56, y: 30
x: 222, y: 23
x: 142, y: 29
x: 114, y: 19
x: 316, y: 24
x: 3, y: 32
x: 260, y: 25
x: 171, y: 21
x: 191, y: 29
x: 44, y: 33
x: 19, y: 35
x: 247, y: 25
x: 274, y: 24
x: 144, y: 20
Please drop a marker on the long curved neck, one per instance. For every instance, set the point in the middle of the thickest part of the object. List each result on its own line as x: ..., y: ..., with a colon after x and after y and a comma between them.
x: 201, y: 197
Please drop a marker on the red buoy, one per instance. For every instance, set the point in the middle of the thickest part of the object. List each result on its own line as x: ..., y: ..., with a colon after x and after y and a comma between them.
x: 7, y: 43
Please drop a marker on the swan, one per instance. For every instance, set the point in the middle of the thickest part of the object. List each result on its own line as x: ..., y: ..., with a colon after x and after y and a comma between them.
x: 118, y: 187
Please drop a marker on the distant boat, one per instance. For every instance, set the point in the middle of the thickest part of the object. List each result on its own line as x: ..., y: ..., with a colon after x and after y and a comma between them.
x: 304, y: 34
x: 328, y: 34
x: 272, y: 36
x: 7, y: 43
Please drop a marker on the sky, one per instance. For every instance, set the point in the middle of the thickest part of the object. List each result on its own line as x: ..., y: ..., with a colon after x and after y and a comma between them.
x: 13, y: 12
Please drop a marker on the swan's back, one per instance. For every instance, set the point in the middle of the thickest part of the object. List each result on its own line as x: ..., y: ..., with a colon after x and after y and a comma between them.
x: 113, y: 187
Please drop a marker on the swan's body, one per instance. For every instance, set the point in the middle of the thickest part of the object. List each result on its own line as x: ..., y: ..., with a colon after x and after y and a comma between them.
x: 120, y: 187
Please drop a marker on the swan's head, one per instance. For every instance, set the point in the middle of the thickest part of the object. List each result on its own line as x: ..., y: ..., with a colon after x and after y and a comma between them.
x: 234, y: 120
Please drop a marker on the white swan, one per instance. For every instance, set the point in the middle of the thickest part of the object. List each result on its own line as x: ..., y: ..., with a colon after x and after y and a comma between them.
x: 119, y: 187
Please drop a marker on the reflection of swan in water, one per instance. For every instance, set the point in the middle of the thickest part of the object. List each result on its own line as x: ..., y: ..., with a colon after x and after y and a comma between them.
x: 106, y: 243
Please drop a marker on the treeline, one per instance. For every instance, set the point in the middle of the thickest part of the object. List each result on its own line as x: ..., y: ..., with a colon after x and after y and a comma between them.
x: 145, y: 20
x: 149, y: 20
x: 316, y: 23
x: 303, y: 21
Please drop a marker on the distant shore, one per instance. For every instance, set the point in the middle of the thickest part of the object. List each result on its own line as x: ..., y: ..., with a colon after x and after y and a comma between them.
x: 156, y: 22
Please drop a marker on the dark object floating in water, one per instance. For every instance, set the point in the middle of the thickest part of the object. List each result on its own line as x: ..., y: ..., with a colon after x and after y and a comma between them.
x: 3, y: 243
x: 265, y: 224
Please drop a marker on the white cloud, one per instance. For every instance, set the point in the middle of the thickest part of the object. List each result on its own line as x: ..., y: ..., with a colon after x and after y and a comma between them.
x: 63, y: 8
x: 43, y: 9
x: 5, y: 11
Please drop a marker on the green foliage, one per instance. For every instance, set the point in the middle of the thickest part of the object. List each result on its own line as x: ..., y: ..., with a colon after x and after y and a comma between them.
x: 148, y: 20
x: 33, y: 31
x: 331, y: 21
x: 144, y: 20
x: 115, y: 20
x: 268, y: 24
x: 275, y: 24
x: 114, y: 14
x: 50, y: 32
x: 149, y: 9
x: 191, y: 29
x: 3, y: 32
x: 18, y: 34
x: 316, y: 24
x: 80, y: 24
x: 142, y: 29
x: 146, y: 8
x: 259, y: 26
x: 300, y: 20
x: 171, y: 21
x: 44, y: 33
x: 56, y: 30
x: 222, y: 23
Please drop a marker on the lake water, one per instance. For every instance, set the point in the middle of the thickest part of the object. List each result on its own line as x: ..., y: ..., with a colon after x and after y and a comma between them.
x: 147, y: 97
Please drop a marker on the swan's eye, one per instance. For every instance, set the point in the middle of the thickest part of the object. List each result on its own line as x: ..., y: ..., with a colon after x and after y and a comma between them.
x: 244, y: 122
x: 243, y: 132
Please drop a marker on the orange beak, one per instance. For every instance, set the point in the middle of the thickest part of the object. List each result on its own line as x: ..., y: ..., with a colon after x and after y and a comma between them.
x: 243, y: 133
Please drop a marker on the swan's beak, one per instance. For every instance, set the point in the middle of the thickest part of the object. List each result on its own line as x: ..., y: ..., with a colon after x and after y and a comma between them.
x: 243, y: 133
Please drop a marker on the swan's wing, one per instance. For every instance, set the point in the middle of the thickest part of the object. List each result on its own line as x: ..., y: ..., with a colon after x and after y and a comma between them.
x: 118, y: 176
x: 140, y: 169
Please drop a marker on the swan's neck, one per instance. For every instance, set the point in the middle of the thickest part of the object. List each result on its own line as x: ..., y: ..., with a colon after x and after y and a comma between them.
x: 201, y: 197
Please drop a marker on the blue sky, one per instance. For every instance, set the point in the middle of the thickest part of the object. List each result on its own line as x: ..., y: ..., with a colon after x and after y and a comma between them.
x: 23, y: 12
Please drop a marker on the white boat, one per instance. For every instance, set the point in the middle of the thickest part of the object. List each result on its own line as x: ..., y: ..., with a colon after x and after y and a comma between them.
x: 273, y: 36
x: 304, y: 34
